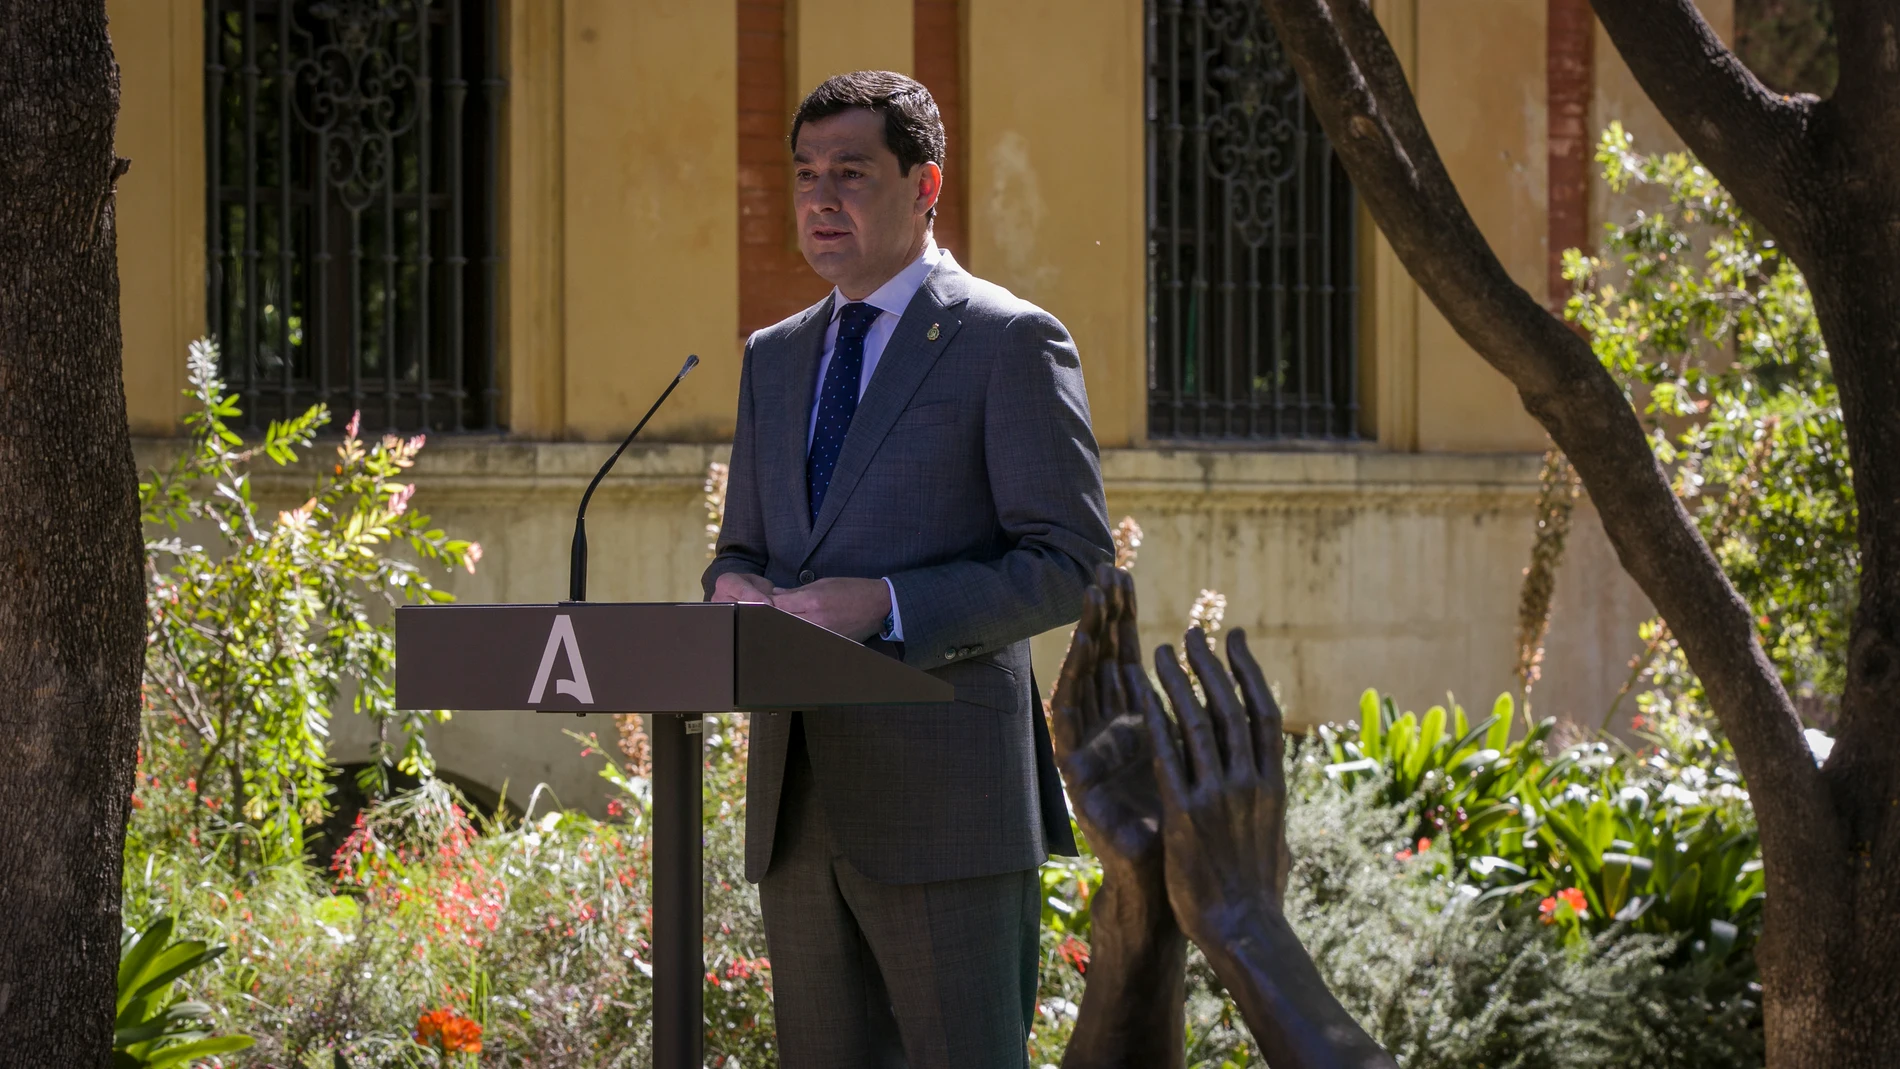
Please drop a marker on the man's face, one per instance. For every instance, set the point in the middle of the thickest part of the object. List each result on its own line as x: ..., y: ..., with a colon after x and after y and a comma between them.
x: 860, y: 219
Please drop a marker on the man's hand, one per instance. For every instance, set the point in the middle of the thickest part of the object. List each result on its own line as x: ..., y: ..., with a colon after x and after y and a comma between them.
x: 1102, y: 746
x: 1223, y: 791
x: 854, y: 608
x: 743, y: 588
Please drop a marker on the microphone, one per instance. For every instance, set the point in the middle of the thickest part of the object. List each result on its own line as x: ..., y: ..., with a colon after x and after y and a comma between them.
x: 577, y: 562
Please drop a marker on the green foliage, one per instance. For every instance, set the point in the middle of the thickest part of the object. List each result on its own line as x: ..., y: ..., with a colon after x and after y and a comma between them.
x: 156, y: 1028
x: 255, y: 636
x: 1437, y: 975
x: 1444, y: 980
x: 536, y: 929
x: 1662, y: 842
x: 1713, y: 333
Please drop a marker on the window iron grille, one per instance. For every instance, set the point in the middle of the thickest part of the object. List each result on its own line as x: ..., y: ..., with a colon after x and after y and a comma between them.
x: 1252, y: 291
x: 352, y: 157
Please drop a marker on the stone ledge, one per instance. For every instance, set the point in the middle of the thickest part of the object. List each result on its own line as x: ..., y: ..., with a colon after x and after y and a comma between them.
x: 490, y: 468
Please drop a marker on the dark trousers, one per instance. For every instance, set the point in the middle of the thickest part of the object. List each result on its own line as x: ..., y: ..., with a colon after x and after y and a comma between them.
x: 869, y: 975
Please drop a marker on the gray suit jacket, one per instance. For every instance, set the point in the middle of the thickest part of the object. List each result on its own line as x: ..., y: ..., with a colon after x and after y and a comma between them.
x: 971, y: 479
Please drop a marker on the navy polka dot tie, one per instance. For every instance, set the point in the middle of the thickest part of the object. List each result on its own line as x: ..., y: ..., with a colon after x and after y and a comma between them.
x: 838, y: 402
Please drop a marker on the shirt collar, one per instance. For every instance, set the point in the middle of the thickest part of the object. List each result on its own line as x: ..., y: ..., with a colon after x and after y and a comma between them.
x: 895, y: 296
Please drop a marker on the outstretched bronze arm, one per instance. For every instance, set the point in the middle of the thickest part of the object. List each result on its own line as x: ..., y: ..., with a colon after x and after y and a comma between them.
x: 1133, y: 1006
x: 1221, y: 771
x: 1188, y: 818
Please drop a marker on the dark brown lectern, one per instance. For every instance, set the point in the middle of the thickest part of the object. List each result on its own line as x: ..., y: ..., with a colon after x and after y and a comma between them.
x: 679, y: 660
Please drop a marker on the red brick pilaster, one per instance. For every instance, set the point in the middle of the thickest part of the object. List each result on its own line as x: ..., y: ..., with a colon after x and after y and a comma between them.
x: 937, y: 59
x: 774, y: 280
x: 1569, y: 77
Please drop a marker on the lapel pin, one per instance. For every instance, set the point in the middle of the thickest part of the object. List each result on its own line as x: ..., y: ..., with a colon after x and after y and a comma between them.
x: 934, y: 333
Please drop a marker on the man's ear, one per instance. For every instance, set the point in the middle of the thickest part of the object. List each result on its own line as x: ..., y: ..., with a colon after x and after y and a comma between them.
x: 929, y: 186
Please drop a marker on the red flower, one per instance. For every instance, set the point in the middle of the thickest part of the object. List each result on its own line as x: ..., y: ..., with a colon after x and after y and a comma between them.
x: 1424, y: 845
x: 450, y: 1031
x: 1075, y: 952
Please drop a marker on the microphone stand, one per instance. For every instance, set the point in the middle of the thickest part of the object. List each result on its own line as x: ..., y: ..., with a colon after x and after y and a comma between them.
x: 678, y: 768
x: 577, y: 561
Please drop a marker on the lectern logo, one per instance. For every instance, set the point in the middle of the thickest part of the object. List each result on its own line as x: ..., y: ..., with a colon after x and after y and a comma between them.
x: 560, y: 638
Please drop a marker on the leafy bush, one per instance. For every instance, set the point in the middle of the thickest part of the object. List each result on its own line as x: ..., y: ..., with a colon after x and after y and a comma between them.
x: 254, y: 638
x: 535, y: 931
x: 1713, y: 332
x: 1599, y: 837
x: 155, y: 1028
x: 1438, y: 976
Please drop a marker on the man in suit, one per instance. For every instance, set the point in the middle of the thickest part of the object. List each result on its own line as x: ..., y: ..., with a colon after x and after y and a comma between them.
x: 912, y: 468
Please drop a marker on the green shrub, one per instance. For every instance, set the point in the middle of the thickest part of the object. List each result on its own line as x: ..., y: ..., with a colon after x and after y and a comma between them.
x: 156, y: 1028
x: 1443, y: 980
x: 1662, y: 842
x: 254, y: 637
x: 1713, y: 333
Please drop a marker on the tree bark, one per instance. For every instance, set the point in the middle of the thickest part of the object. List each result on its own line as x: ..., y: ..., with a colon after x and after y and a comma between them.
x: 72, y: 603
x: 1822, y: 176
x: 1825, y: 176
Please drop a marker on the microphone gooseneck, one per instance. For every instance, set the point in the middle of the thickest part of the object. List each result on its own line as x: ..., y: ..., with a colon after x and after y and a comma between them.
x: 577, y: 561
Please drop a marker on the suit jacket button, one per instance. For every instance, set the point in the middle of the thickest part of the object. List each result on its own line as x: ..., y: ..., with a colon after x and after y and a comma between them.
x: 807, y: 576
x: 949, y: 655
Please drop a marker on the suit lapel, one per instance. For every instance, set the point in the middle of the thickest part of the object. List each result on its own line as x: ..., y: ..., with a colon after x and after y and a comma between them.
x: 803, y: 346
x: 907, y: 359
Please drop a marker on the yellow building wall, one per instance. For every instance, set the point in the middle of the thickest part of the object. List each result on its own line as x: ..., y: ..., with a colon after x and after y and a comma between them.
x: 839, y: 36
x: 1480, y: 84
x: 160, y: 208
x: 650, y: 224
x: 1351, y: 568
x: 1057, y: 158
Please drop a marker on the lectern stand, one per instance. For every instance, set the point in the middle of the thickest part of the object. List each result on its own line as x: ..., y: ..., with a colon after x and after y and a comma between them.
x: 679, y: 661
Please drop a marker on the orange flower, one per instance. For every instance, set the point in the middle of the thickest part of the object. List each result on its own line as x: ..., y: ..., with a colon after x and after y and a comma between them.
x: 450, y: 1031
x: 1569, y: 896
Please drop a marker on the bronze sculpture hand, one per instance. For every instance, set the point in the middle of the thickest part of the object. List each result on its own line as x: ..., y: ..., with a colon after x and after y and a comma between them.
x: 1223, y: 794
x: 1224, y: 781
x: 1133, y: 1007
x: 1101, y: 742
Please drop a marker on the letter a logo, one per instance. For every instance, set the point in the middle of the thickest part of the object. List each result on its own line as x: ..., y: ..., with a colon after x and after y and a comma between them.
x: 561, y: 637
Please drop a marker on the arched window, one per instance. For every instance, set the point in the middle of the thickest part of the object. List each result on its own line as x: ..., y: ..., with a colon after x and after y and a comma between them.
x: 1251, y: 269
x: 351, y: 152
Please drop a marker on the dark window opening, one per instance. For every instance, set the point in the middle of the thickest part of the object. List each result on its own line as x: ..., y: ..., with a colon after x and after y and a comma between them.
x: 352, y: 159
x: 1252, y: 286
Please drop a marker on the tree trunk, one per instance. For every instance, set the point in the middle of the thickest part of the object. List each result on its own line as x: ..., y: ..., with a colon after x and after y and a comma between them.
x: 72, y: 603
x: 1824, y: 178
x: 1832, y: 975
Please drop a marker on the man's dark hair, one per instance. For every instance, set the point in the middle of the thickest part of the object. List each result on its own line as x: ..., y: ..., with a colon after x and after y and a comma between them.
x: 913, y: 130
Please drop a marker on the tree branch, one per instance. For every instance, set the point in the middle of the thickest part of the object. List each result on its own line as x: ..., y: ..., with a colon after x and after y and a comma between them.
x: 1755, y: 140
x: 1357, y: 88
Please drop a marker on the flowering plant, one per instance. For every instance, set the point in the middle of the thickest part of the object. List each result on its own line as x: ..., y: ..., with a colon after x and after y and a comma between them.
x: 255, y: 637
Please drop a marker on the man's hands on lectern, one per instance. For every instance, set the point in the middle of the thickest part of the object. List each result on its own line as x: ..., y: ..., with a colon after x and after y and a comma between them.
x: 854, y: 608
x: 743, y: 588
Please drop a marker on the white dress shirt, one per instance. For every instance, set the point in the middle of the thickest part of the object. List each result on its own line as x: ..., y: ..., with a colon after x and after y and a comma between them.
x: 890, y: 300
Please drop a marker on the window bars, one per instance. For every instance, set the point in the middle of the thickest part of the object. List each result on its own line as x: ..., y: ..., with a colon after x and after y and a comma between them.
x: 1252, y: 294
x: 352, y: 157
